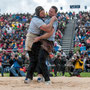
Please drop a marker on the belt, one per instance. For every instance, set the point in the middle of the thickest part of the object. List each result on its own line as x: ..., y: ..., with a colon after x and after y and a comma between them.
x: 34, y: 34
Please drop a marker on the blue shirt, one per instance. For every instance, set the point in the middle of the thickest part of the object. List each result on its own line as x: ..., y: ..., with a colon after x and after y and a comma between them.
x: 16, y: 65
x: 56, y: 48
x: 83, y: 48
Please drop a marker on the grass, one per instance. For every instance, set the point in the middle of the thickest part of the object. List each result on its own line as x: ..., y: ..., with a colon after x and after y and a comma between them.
x: 83, y: 74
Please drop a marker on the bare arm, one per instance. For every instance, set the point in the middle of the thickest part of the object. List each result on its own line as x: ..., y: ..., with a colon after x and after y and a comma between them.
x: 47, y: 35
x: 44, y: 36
x: 48, y: 27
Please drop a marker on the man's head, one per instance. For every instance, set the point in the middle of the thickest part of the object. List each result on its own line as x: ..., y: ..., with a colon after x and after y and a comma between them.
x: 53, y: 11
x: 16, y: 56
x: 39, y: 11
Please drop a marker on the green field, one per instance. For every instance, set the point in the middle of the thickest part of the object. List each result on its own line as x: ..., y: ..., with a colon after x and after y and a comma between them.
x: 83, y: 74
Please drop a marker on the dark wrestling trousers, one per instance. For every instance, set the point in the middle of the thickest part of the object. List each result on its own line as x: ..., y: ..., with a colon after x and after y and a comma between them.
x: 42, y: 67
x: 38, y: 57
x: 33, y: 54
x: 46, y: 47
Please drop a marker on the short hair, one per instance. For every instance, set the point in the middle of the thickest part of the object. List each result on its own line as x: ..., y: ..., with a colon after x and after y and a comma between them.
x: 54, y: 7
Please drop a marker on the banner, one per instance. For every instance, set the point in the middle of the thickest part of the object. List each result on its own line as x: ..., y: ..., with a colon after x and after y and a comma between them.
x: 61, y: 8
x: 74, y: 6
x: 85, y: 7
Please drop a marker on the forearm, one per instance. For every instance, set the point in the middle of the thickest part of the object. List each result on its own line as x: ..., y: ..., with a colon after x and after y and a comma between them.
x: 49, y: 26
x: 47, y: 35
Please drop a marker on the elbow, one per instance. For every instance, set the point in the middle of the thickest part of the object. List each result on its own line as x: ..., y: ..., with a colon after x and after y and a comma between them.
x: 48, y: 31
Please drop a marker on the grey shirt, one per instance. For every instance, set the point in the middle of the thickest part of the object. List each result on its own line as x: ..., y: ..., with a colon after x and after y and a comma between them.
x: 35, y: 24
x: 55, y: 25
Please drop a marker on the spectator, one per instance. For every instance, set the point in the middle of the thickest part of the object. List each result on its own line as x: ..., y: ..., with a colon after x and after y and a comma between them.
x: 88, y: 43
x: 78, y: 63
x: 82, y: 48
x: 1, y: 66
x: 87, y: 64
x: 70, y: 54
x: 15, y: 68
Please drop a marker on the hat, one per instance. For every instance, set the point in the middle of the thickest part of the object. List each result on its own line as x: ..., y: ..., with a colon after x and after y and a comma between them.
x: 38, y: 10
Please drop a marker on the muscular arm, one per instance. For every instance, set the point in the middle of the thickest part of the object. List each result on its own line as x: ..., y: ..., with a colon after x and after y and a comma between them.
x: 44, y: 36
x: 47, y: 35
x: 48, y: 27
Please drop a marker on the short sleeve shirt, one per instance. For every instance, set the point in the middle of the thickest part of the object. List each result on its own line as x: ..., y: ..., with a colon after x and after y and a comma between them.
x: 55, y: 25
x: 35, y: 24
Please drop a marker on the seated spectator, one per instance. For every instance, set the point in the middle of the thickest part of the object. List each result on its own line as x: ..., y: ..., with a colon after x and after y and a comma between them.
x: 4, y: 46
x: 77, y: 53
x: 59, y: 62
x: 76, y: 48
x: 82, y: 48
x: 15, y: 49
x: 79, y: 44
x: 70, y: 54
x: 16, y: 66
x: 63, y: 53
x: 20, y: 48
x: 88, y: 51
x: 9, y: 49
x: 9, y: 30
x: 88, y: 33
x: 56, y: 47
x: 87, y: 24
x: 87, y: 64
x: 69, y: 66
x: 1, y: 66
x: 88, y: 43
x: 79, y: 67
x: 24, y: 58
x: 77, y: 39
x: 5, y: 59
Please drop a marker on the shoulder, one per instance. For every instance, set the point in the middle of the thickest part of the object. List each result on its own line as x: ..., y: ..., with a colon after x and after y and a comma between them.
x: 56, y: 22
x: 36, y: 19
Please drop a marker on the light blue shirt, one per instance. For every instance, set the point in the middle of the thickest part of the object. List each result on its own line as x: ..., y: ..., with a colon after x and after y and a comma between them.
x: 55, y: 25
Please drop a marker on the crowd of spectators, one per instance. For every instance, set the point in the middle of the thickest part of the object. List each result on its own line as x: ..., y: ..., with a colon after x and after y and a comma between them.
x: 13, y: 28
x: 77, y: 60
x: 80, y: 57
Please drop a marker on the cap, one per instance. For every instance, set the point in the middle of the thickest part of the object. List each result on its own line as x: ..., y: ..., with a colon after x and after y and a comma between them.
x: 38, y: 10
